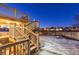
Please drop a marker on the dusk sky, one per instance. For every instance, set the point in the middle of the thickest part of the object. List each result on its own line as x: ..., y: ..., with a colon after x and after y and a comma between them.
x: 50, y: 14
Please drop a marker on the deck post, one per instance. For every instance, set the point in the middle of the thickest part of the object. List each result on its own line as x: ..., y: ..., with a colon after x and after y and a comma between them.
x: 12, y: 32
x: 29, y: 45
x: 37, y: 42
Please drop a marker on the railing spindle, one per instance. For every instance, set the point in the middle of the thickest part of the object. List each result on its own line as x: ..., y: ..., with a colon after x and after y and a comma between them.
x: 17, y: 50
x: 28, y: 45
x: 9, y: 50
x: 23, y: 49
x: 14, y: 49
x: 1, y: 52
x: 4, y: 51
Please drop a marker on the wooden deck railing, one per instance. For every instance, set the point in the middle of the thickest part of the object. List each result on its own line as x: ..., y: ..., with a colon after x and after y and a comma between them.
x: 26, y: 41
x: 17, y: 48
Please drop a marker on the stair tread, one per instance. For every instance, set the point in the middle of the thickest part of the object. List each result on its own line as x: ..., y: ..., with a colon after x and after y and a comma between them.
x: 32, y: 48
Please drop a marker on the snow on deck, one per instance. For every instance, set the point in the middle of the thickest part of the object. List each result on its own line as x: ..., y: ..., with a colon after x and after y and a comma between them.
x: 55, y: 45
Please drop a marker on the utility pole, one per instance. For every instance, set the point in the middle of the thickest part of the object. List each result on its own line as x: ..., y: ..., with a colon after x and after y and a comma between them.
x: 15, y: 12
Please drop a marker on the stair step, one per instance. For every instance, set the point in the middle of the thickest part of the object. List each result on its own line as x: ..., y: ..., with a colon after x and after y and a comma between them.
x: 32, y: 48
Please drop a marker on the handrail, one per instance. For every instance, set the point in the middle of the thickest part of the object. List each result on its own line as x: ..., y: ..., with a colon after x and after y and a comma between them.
x: 2, y: 37
x: 29, y: 24
x: 12, y: 44
x: 31, y: 31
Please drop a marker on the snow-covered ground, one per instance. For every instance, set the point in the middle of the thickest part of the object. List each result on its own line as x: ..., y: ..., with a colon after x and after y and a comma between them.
x: 55, y: 45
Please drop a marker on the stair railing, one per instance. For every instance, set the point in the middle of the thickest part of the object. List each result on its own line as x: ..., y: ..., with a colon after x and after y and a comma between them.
x: 17, y: 48
x: 34, y: 34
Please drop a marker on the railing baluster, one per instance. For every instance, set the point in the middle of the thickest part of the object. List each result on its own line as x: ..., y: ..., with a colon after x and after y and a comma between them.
x: 17, y: 50
x: 25, y: 46
x: 9, y: 50
x: 23, y: 49
x: 28, y: 45
x: 14, y: 49
x: 1, y: 52
x: 4, y: 51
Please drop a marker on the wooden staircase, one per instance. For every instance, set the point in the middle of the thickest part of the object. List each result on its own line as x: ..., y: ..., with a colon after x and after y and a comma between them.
x: 28, y: 34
